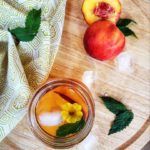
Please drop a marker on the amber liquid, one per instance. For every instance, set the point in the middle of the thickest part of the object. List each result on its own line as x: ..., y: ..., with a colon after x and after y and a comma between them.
x: 53, y: 101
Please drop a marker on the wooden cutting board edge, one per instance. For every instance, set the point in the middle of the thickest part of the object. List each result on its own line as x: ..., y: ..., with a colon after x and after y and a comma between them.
x: 136, y: 136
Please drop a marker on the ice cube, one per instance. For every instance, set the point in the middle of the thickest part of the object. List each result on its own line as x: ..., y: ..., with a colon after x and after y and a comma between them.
x: 50, y: 119
x: 89, y: 143
x: 124, y: 62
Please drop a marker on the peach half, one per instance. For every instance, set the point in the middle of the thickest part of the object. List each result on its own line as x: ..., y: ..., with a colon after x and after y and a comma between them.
x: 94, y: 10
x: 103, y: 40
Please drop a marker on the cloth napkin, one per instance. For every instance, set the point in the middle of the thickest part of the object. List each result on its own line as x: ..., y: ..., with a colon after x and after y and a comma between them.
x: 24, y: 67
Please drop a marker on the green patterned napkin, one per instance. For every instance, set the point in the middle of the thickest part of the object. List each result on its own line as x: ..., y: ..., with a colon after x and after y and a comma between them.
x: 24, y: 67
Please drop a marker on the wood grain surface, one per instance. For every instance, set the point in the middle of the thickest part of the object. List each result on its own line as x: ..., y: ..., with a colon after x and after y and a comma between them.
x: 133, y: 88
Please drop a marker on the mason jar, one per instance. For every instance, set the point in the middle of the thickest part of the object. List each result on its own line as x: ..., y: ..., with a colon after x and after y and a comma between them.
x: 68, y: 141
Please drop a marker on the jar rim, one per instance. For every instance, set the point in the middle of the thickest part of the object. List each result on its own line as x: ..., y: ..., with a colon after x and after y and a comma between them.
x: 68, y: 141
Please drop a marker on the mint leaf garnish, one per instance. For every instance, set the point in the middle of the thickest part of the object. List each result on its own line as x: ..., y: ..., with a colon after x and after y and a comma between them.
x: 121, y: 121
x: 114, y: 106
x: 123, y: 116
x: 122, y: 25
x: 70, y: 128
x: 32, y: 24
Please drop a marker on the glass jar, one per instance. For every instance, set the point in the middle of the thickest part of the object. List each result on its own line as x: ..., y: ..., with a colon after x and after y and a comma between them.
x: 61, y: 142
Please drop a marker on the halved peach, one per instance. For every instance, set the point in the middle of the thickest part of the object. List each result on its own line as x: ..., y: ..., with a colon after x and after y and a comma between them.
x: 94, y: 10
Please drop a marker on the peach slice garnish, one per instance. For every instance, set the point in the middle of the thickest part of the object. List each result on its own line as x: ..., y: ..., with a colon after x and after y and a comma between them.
x: 49, y: 103
x: 74, y: 96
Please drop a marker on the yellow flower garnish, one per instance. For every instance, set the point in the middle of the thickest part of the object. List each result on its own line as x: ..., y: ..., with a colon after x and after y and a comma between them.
x: 71, y: 113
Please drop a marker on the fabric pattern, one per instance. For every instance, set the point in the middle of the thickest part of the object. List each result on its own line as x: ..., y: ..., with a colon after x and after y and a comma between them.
x: 24, y: 67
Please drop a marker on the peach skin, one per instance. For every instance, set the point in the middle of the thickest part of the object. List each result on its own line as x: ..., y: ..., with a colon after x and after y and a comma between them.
x: 103, y: 40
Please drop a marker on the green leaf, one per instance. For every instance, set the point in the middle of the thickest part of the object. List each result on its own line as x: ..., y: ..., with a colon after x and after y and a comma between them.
x: 32, y: 24
x: 124, y: 22
x: 22, y: 34
x: 114, y: 106
x: 70, y: 128
x: 122, y: 25
x: 33, y: 20
x: 123, y: 115
x: 121, y: 121
x: 127, y: 32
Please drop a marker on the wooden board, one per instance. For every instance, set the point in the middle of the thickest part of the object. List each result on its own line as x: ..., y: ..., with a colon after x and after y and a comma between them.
x: 133, y: 89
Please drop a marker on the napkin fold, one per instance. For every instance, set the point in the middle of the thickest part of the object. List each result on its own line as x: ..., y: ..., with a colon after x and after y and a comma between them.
x: 24, y: 67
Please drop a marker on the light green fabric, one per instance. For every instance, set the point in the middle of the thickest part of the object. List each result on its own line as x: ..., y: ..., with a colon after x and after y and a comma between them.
x: 25, y: 67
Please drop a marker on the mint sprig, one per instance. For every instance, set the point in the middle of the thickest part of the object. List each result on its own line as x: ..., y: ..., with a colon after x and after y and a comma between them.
x: 123, y: 116
x: 122, y: 25
x: 32, y: 24
x: 70, y: 128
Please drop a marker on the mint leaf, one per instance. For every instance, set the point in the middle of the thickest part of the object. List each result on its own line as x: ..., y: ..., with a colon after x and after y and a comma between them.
x: 123, y: 115
x: 114, y: 106
x: 22, y: 34
x: 124, y: 22
x: 121, y: 121
x: 70, y: 128
x: 33, y: 20
x: 32, y: 24
x: 127, y: 32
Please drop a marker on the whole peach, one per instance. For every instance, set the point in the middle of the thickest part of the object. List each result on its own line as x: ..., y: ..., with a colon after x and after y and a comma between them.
x: 103, y: 40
